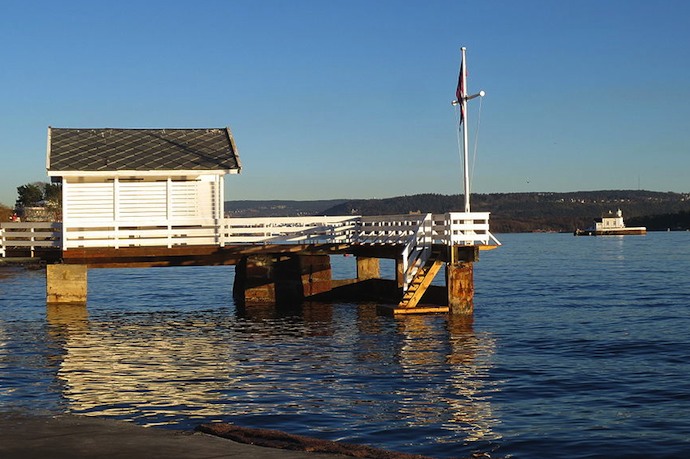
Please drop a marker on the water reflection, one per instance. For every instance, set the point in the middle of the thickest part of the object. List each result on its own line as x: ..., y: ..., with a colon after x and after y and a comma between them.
x: 471, y: 360
x: 463, y: 360
x: 340, y: 370
x: 163, y: 367
x: 66, y: 320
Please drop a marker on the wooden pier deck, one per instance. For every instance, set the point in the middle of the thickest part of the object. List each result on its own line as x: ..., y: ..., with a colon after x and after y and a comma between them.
x: 420, y: 244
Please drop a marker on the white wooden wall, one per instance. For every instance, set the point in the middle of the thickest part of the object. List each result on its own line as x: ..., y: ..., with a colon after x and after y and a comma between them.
x: 116, y: 209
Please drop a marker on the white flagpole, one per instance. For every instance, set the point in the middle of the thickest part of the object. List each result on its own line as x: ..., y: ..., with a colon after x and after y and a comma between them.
x: 465, y: 141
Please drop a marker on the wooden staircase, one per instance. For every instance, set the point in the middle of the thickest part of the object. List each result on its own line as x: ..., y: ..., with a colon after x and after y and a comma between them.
x: 421, y: 281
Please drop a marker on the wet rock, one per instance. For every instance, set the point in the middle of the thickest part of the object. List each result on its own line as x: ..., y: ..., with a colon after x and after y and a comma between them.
x: 277, y: 439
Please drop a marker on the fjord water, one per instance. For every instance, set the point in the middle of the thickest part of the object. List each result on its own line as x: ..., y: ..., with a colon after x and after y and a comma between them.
x: 578, y: 348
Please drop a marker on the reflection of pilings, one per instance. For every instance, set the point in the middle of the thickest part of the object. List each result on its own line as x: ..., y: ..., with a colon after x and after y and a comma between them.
x: 420, y: 346
x: 308, y: 312
x: 66, y: 323
x: 453, y: 373
x: 470, y: 362
x: 155, y: 370
x: 463, y: 341
x: 67, y: 319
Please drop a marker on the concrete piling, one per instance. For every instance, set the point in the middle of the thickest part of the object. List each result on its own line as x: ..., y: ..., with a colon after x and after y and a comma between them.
x: 66, y: 284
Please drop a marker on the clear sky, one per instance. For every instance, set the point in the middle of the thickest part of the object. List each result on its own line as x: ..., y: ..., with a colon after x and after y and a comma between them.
x: 351, y: 99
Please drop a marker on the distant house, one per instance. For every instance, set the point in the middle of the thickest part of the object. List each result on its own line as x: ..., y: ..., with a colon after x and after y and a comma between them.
x: 128, y: 179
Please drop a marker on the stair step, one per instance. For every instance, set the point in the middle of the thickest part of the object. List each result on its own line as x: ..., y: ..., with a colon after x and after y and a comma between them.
x: 423, y: 277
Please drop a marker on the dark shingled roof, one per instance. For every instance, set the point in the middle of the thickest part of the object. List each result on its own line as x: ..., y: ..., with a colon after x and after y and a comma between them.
x: 141, y: 150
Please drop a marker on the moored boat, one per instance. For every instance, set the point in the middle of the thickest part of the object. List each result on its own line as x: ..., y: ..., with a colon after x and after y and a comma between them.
x: 610, y: 224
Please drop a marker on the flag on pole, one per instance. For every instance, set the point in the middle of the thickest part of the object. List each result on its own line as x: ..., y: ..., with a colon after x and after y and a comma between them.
x: 460, y: 91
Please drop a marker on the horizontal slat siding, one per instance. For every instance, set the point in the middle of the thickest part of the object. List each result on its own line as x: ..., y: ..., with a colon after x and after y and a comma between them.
x: 142, y: 200
x: 184, y: 197
x: 192, y: 199
x: 206, y: 199
x: 88, y: 201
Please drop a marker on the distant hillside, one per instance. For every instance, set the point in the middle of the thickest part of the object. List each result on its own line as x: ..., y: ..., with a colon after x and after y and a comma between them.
x: 510, y: 212
x: 526, y: 212
x: 277, y: 208
x: 663, y: 222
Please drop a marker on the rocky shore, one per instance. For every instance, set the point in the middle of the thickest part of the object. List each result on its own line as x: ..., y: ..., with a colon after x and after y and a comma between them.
x: 24, y: 436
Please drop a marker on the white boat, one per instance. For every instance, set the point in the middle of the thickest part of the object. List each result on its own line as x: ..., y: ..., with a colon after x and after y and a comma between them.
x: 610, y: 224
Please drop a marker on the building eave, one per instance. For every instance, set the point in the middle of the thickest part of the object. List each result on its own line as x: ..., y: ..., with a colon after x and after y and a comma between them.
x: 235, y: 151
x: 148, y: 173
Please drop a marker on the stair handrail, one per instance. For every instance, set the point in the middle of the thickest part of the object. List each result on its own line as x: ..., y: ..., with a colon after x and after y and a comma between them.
x: 417, y: 250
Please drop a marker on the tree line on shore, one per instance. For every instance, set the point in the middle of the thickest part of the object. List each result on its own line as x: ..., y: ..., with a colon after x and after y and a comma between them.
x: 548, y: 211
x: 510, y: 212
x: 36, y: 194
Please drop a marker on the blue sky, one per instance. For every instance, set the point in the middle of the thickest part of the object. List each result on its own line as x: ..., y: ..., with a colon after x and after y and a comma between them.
x: 351, y: 99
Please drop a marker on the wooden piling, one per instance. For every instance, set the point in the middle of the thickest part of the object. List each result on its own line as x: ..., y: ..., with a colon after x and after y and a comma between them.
x: 460, y: 279
x: 368, y: 268
x: 460, y: 282
x: 281, y: 278
x: 399, y: 272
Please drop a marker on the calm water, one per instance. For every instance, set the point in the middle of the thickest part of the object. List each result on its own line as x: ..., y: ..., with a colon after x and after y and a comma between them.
x: 579, y: 347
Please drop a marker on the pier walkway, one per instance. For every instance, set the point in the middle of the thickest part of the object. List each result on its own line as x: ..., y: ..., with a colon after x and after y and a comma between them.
x: 420, y: 243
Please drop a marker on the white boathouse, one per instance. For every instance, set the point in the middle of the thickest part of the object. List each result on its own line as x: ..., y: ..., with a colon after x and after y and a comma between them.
x: 141, y: 187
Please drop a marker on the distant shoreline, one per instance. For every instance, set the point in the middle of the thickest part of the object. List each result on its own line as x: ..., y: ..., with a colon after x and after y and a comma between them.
x: 510, y: 212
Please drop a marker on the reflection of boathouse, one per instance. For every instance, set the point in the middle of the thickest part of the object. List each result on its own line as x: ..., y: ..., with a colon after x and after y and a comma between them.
x: 610, y: 223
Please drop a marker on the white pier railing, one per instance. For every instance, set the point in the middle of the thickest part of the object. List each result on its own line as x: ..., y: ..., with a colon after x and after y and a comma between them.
x: 419, y: 232
x: 463, y: 228
x: 415, y: 234
x: 410, y: 231
x: 29, y: 236
x: 288, y: 230
x: 140, y: 233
